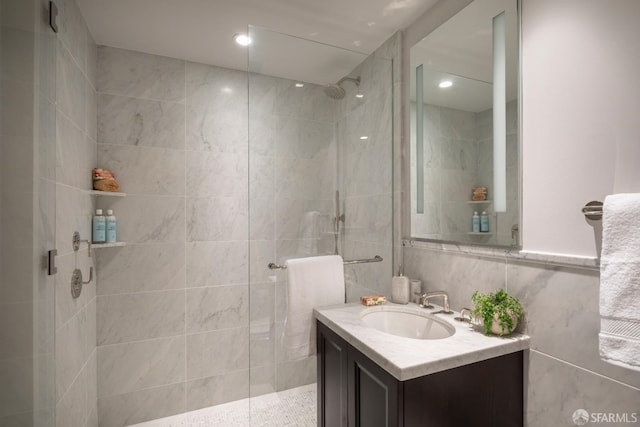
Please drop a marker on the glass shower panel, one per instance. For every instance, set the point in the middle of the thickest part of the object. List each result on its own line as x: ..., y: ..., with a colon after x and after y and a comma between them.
x: 27, y: 214
x: 301, y: 124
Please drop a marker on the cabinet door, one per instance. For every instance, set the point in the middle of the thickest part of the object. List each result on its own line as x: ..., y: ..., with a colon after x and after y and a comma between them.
x: 332, y: 378
x: 373, y: 394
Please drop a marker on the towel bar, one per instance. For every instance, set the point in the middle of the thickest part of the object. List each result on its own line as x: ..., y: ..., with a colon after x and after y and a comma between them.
x: 377, y: 258
x: 593, y: 210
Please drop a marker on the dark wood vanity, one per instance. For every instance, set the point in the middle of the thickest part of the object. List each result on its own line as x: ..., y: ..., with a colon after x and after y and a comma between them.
x: 355, y: 391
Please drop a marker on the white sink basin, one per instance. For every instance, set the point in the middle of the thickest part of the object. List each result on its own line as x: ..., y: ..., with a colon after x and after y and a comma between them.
x: 406, y: 323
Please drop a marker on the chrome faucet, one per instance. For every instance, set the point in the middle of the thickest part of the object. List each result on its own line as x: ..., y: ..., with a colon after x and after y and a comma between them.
x: 424, y: 300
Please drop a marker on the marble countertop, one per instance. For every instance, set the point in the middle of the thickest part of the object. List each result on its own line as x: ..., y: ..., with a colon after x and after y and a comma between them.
x: 408, y: 358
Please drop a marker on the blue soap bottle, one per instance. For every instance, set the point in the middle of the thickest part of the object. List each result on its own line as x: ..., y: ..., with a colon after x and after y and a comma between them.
x: 484, y: 222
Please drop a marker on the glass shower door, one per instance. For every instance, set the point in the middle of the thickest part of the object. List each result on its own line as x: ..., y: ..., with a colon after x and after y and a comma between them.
x: 27, y: 215
x: 303, y: 120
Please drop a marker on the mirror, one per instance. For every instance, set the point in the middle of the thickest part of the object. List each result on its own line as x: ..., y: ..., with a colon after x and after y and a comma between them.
x: 465, y: 128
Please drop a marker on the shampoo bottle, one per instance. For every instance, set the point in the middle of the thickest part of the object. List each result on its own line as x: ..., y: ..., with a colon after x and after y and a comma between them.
x: 110, y: 227
x: 475, y: 223
x: 484, y: 222
x: 99, y: 227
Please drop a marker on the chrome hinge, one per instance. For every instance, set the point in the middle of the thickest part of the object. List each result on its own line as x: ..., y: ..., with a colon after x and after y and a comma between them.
x: 51, y: 262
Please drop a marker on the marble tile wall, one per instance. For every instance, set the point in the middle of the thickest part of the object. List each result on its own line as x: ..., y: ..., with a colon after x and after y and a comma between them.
x: 76, y: 133
x: 211, y: 200
x: 292, y: 183
x: 366, y: 172
x: 563, y: 371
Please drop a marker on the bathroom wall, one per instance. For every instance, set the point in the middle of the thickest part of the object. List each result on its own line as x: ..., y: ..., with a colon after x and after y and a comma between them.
x: 206, y: 210
x: 365, y: 175
x: 566, y: 162
x: 75, y: 319
x: 580, y: 140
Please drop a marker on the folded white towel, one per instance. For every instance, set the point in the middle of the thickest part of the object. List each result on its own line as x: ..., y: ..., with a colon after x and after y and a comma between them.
x: 620, y: 281
x: 312, y: 282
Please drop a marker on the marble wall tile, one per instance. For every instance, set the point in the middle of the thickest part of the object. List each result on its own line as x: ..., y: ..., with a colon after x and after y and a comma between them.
x: 459, y: 275
x: 138, y: 268
x: 71, y: 88
x: 70, y: 351
x: 219, y: 307
x: 71, y: 409
x: 296, y: 373
x: 214, y: 129
x: 91, y: 112
x: 369, y: 219
x: 306, y: 103
x: 300, y: 178
x: 92, y: 390
x: 262, y: 176
x: 73, y: 213
x: 65, y: 305
x: 16, y: 330
x: 73, y: 160
x: 222, y: 89
x: 145, y: 170
x: 19, y: 398
x: 261, y: 253
x: 562, y: 307
x: 148, y: 364
x: 300, y: 218
x: 90, y: 328
x: 140, y: 75
x: 550, y: 404
x: 457, y: 124
x: 143, y: 405
x: 262, y: 218
x: 216, y: 174
x: 217, y: 352
x: 133, y: 121
x: 217, y: 263
x: 301, y: 138
x: 131, y: 317
x: 91, y: 69
x: 210, y: 391
x: 222, y: 218
x: 73, y: 31
x: 149, y: 219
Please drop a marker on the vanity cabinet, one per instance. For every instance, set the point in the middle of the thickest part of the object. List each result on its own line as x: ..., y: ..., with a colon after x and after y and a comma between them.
x: 354, y: 391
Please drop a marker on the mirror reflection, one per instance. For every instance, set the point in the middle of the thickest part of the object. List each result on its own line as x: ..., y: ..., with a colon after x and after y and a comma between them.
x: 464, y: 128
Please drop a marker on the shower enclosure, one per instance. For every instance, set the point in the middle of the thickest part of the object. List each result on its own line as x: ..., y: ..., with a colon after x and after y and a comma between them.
x: 320, y: 182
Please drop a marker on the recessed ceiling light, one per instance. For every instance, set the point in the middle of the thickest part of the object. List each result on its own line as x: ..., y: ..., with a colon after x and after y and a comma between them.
x: 299, y: 84
x: 242, y: 39
x: 445, y: 83
x: 359, y: 95
x: 226, y: 90
x: 364, y: 137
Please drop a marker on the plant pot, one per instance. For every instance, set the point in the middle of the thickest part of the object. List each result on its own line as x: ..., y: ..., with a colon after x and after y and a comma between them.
x: 497, y: 329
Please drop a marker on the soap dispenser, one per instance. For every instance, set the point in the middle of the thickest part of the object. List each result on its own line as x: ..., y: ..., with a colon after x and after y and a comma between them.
x: 400, y: 288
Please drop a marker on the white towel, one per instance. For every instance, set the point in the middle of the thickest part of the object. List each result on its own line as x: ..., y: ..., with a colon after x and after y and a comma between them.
x: 312, y: 282
x: 620, y: 281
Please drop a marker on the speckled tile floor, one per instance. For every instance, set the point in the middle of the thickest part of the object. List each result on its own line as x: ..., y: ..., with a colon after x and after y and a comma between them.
x: 290, y: 408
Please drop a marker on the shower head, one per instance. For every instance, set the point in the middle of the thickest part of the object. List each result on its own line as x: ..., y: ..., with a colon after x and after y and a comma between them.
x: 336, y: 91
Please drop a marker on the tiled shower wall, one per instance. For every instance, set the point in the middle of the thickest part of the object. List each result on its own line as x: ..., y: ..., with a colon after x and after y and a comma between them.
x: 366, y: 174
x: 458, y: 155
x: 564, y: 371
x: 173, y: 305
x: 75, y: 319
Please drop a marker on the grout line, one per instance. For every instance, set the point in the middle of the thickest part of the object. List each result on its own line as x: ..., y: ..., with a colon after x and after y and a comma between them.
x: 585, y: 369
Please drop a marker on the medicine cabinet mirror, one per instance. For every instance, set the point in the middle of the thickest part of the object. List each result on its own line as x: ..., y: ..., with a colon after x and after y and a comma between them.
x: 465, y: 127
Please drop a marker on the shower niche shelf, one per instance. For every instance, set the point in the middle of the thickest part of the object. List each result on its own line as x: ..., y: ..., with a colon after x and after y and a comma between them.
x: 107, y: 193
x: 107, y: 245
x: 479, y: 202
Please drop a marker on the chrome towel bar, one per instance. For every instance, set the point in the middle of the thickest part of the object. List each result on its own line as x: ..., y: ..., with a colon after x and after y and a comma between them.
x: 377, y: 258
x: 593, y: 210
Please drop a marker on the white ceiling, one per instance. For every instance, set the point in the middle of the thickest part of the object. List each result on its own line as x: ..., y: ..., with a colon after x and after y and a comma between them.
x: 202, y: 30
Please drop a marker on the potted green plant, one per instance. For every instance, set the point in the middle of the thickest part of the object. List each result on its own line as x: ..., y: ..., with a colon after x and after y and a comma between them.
x: 498, y: 311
